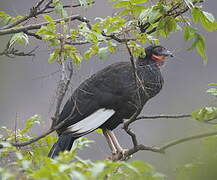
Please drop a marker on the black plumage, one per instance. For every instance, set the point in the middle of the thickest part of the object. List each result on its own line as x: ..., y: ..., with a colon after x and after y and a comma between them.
x: 112, y: 94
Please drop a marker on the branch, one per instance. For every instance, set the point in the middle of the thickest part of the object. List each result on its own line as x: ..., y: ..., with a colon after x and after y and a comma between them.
x: 182, y: 140
x: 63, y: 87
x: 74, y: 6
x: 37, y: 10
x: 163, y: 148
x: 12, y: 52
x: 34, y: 11
x: 114, y: 37
x: 164, y: 117
x: 33, y: 35
x: 38, y: 26
x: 139, y: 107
x: 174, y: 12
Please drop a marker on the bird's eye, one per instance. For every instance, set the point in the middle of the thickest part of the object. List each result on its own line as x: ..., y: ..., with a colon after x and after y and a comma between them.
x: 158, y: 49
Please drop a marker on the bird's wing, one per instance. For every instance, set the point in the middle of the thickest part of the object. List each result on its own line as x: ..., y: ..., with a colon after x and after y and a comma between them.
x: 92, y: 103
x: 83, y: 112
x: 90, y: 123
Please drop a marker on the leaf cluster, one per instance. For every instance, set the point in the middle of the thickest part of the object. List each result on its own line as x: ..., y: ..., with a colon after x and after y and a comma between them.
x: 32, y: 162
x: 134, y: 20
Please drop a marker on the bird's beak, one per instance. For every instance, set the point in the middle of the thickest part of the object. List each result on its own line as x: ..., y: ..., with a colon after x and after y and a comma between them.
x: 166, y: 52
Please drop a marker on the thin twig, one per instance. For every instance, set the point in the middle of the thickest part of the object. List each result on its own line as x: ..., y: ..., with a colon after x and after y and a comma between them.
x: 126, y: 127
x: 33, y: 35
x: 33, y: 13
x: 164, y: 116
x: 12, y: 52
x: 173, y: 12
x: 63, y: 87
x: 182, y: 140
x: 38, y: 26
x: 166, y: 146
x: 73, y: 6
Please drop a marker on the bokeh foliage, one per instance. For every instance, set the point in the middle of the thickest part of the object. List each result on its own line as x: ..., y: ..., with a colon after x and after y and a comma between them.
x: 32, y: 162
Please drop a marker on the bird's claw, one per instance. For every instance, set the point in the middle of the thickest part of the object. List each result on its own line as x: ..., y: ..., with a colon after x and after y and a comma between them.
x: 120, y: 155
x: 124, y: 155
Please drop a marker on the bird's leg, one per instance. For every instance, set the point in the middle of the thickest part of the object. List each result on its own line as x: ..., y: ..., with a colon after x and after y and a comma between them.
x: 109, y: 141
x: 115, y: 141
x: 117, y: 145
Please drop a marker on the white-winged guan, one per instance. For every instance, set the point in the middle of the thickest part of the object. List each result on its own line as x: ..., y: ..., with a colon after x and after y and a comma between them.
x: 108, y: 97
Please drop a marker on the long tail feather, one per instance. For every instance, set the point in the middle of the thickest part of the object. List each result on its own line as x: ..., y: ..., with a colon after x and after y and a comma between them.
x: 64, y: 143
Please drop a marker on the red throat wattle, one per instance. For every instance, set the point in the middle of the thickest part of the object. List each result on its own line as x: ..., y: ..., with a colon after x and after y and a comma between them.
x: 158, y: 59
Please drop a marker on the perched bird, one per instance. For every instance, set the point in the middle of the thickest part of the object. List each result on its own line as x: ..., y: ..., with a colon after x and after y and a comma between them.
x: 110, y: 96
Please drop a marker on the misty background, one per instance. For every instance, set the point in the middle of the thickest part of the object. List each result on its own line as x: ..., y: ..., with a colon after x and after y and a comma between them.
x: 28, y: 86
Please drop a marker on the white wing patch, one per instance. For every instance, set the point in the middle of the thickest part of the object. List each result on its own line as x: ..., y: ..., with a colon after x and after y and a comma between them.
x: 91, y: 122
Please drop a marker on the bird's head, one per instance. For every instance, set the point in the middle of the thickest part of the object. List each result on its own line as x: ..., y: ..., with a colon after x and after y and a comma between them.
x: 157, y: 54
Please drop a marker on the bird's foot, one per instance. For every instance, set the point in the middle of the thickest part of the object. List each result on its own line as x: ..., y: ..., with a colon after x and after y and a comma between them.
x: 120, y: 155
x: 124, y: 155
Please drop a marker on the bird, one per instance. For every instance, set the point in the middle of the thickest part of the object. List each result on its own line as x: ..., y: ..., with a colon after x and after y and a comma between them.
x: 109, y: 97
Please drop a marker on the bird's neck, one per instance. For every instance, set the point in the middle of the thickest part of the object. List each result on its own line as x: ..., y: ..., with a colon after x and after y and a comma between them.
x: 146, y: 61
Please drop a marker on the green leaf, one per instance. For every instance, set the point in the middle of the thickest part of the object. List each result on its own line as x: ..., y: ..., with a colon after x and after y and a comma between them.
x: 170, y: 24
x: 103, y: 52
x: 53, y: 56
x: 121, y: 4
x: 206, y: 19
x: 77, y: 175
x: 208, y: 25
x: 189, y: 33
x: 30, y: 122
x: 196, y: 14
x: 153, y: 15
x: 82, y: 142
x: 142, y: 37
x: 97, y: 169
x: 58, y: 8
x: 21, y: 38
x: 128, y: 3
x: 212, y: 91
x: 212, y: 84
x: 111, y: 46
x: 84, y: 3
x: 139, y: 1
x: 209, y: 16
x: 99, y: 131
x: 5, y: 18
x: 144, y: 14
x: 166, y: 26
x: 205, y: 114
x: 48, y: 18
x: 76, y: 57
x: 201, y: 45
x: 91, y: 52
x: 69, y: 47
x: 198, y: 43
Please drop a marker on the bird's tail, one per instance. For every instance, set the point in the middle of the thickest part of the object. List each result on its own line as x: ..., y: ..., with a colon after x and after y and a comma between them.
x: 64, y: 143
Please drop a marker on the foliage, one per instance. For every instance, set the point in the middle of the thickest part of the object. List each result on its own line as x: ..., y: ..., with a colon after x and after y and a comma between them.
x: 135, y: 21
x: 32, y: 162
x: 205, y: 163
x: 206, y: 114
x: 203, y: 166
x: 6, y: 18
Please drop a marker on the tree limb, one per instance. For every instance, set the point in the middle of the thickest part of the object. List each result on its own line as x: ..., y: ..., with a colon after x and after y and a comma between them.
x: 38, y: 26
x: 164, y: 117
x: 34, y: 11
x: 163, y: 148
